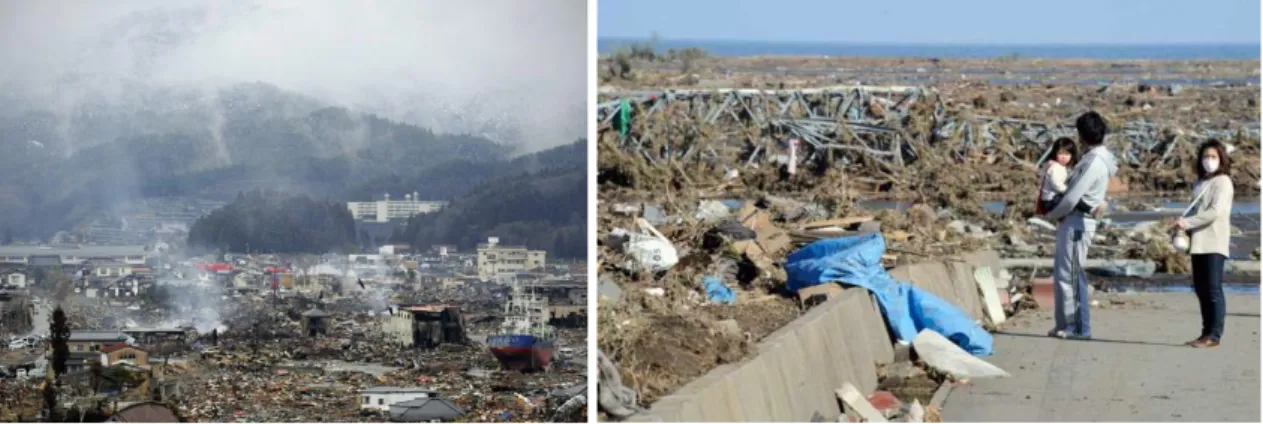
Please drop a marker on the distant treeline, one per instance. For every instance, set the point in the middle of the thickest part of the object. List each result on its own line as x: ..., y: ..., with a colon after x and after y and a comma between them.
x: 537, y: 200
x: 543, y: 210
x: 262, y: 221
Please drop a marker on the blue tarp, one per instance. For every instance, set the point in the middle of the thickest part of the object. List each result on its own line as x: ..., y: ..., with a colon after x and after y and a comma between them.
x: 717, y: 291
x: 856, y: 260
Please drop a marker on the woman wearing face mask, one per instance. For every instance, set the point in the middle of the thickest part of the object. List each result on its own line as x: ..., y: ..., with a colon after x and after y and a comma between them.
x: 1209, y: 234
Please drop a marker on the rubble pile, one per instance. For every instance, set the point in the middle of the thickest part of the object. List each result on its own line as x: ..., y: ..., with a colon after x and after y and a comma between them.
x: 704, y: 190
x: 261, y: 364
x: 247, y: 388
x: 968, y: 120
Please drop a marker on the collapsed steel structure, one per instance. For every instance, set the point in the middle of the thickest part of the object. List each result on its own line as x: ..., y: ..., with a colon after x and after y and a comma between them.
x: 857, y: 123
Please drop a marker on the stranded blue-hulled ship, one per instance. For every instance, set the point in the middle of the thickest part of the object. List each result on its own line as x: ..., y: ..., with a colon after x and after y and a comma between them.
x: 525, y: 341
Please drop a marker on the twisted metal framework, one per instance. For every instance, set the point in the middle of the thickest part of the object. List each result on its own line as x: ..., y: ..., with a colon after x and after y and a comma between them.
x: 858, y: 123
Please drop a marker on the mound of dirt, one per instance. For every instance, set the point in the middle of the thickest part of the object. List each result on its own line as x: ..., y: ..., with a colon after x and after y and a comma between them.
x: 667, y: 351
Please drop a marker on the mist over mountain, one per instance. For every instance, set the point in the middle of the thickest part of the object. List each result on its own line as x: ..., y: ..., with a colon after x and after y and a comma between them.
x: 104, y: 103
x: 539, y: 202
x: 452, y: 67
x: 265, y: 139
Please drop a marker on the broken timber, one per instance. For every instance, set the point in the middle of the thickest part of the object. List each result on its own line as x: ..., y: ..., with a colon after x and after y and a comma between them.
x: 856, y: 124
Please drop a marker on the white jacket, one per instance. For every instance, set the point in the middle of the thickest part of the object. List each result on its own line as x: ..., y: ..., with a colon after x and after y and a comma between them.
x: 1208, y: 226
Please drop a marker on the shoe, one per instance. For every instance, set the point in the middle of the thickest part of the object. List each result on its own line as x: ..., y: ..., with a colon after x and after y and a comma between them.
x: 1078, y: 337
x: 1199, y: 342
x: 1061, y: 334
x: 1211, y: 343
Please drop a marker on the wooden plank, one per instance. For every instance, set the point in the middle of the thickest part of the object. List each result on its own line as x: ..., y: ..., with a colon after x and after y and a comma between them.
x: 839, y: 222
x: 858, y: 405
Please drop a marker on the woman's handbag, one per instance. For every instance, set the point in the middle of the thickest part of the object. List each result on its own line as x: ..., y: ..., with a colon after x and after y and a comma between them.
x: 1179, y: 238
x: 1180, y: 241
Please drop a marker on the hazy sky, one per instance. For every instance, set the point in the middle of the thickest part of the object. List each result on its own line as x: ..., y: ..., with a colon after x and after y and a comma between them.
x: 507, y: 60
x: 937, y: 21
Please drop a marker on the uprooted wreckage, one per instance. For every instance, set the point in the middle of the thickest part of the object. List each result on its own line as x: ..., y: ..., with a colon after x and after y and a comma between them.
x: 879, y: 131
x: 265, y: 364
x: 704, y: 192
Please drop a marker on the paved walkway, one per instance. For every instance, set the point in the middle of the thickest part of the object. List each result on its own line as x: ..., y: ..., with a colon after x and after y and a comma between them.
x: 1135, y: 370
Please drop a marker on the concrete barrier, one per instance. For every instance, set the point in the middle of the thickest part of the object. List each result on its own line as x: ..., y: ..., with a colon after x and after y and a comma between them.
x: 987, y: 258
x: 795, y: 370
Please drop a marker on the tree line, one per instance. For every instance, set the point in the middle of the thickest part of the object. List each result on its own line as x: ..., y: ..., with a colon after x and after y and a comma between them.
x: 544, y: 210
x: 264, y: 221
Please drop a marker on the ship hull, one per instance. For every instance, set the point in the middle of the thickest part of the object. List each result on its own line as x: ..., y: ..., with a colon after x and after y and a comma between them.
x: 521, y: 352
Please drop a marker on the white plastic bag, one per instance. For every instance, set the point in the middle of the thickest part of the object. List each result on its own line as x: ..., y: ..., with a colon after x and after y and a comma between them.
x: 941, y: 354
x: 650, y: 248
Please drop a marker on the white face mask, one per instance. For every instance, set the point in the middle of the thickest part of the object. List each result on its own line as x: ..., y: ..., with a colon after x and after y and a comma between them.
x: 1210, y: 165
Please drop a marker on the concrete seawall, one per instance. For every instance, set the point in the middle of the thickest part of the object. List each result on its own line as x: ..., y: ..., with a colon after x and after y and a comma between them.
x: 797, y: 368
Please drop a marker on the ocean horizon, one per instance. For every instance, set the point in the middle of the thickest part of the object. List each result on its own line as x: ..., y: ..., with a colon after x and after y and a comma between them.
x: 733, y: 48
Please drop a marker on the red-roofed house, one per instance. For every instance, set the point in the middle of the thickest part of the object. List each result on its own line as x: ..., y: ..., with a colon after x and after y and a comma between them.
x: 119, y: 353
x: 218, y: 268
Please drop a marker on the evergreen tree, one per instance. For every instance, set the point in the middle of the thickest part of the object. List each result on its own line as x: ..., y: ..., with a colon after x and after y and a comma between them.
x: 50, y: 403
x: 59, y: 334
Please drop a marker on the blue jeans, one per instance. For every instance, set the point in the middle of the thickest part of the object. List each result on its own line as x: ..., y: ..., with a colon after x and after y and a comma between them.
x: 1208, y: 283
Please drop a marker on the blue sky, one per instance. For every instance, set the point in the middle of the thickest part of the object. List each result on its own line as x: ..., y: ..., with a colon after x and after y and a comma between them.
x: 937, y: 21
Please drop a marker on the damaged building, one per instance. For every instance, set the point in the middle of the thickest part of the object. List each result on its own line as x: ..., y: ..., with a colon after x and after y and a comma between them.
x: 17, y: 312
x: 22, y: 363
x: 495, y: 259
x: 567, y: 299
x: 425, y: 326
x: 155, y: 335
x: 315, y: 322
x: 13, y: 278
x: 93, y: 341
x: 123, y: 353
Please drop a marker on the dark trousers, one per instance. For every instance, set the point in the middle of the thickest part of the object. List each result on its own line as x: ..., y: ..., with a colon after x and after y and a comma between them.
x: 1208, y: 282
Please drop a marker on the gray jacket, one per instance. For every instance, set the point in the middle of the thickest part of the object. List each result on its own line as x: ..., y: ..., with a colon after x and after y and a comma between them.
x: 1088, y: 182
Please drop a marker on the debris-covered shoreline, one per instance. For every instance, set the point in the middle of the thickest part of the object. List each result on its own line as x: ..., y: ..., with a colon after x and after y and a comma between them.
x: 782, y: 151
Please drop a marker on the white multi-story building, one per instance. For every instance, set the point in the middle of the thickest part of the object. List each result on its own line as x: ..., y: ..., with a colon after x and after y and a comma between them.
x: 494, y: 259
x: 386, y: 210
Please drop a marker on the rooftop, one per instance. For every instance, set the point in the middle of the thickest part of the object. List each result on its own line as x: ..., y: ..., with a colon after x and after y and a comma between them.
x: 502, y: 247
x: 315, y: 312
x: 92, y: 336
x: 424, y: 308
x: 118, y: 346
x: 146, y: 412
x: 106, y: 263
x: 393, y: 389
x: 152, y: 330
x: 83, y: 251
x: 425, y: 410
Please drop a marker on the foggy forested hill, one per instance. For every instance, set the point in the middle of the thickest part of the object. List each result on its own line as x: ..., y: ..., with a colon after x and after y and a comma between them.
x: 253, y: 137
x: 544, y: 209
x: 119, y: 102
x: 246, y: 137
x: 537, y: 200
x: 269, y: 222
